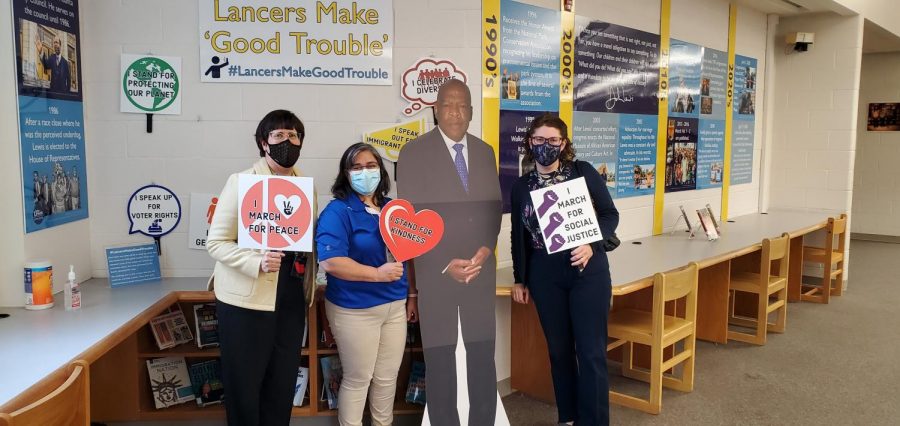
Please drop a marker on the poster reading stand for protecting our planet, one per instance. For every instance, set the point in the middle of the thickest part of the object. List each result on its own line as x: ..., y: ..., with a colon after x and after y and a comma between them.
x: 150, y: 84
x: 566, y: 215
x: 51, y: 117
x: 275, y: 213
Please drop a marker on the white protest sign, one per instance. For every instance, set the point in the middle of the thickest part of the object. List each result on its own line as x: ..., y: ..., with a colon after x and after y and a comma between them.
x: 203, y: 206
x: 566, y: 215
x: 150, y: 84
x: 153, y: 211
x: 275, y: 212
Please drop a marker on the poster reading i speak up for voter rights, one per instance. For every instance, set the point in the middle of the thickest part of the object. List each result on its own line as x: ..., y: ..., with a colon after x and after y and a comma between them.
x: 275, y: 213
x: 566, y: 215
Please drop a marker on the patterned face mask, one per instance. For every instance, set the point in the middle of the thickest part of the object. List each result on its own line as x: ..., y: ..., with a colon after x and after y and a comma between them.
x: 545, y: 154
x: 284, y: 153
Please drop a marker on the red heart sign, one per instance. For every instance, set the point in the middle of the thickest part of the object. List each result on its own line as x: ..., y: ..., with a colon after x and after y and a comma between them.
x: 408, y: 234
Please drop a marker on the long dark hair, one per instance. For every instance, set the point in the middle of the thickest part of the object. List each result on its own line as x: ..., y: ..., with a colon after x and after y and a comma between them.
x: 342, y: 189
x: 277, y: 119
x: 549, y: 120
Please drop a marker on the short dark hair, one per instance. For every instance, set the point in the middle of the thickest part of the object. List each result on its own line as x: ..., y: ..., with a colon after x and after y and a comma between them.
x: 277, y: 119
x: 342, y: 189
x: 549, y: 120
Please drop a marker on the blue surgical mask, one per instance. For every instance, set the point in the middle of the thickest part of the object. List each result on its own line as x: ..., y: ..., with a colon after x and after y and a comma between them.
x: 365, y: 181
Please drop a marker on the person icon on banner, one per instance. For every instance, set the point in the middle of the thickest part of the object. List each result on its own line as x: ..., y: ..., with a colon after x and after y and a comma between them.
x: 216, y: 69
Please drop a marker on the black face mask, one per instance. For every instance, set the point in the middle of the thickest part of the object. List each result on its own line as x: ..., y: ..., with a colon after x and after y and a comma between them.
x: 285, y: 153
x: 545, y: 154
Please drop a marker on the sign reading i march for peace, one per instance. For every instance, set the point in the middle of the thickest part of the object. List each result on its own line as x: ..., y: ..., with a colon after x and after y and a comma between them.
x: 297, y: 41
x: 276, y: 213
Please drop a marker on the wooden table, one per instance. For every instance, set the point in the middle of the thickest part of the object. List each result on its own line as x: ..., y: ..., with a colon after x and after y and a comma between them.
x: 633, y: 264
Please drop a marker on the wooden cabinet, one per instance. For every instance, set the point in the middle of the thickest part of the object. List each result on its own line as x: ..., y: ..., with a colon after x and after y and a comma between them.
x: 120, y: 389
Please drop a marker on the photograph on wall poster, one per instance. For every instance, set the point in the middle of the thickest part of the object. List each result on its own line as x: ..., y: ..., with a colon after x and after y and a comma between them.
x: 883, y: 117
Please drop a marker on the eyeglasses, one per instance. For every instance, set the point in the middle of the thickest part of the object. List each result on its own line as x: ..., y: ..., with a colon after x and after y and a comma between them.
x: 359, y: 168
x: 555, y: 141
x: 282, y: 135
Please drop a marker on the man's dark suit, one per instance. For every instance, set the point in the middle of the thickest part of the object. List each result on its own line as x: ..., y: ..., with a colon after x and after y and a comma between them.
x: 427, y: 177
x: 59, y: 72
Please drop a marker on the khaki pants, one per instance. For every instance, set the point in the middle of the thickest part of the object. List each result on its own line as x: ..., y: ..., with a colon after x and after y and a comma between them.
x: 370, y: 343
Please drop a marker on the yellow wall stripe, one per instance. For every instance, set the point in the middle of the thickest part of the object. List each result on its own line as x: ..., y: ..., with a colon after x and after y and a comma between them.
x: 729, y: 110
x: 490, y: 84
x: 567, y: 67
x: 665, y: 7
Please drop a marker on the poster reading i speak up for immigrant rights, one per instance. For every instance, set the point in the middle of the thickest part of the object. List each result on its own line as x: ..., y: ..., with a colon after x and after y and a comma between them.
x: 275, y: 212
x: 566, y: 215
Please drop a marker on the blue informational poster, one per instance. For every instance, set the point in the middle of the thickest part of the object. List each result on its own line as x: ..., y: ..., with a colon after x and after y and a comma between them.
x: 710, y: 153
x: 636, y: 173
x: 51, y: 117
x: 616, y: 104
x: 681, y: 154
x: 513, y: 127
x: 685, y: 62
x: 744, y: 119
x: 713, y: 84
x: 132, y: 265
x: 529, y: 57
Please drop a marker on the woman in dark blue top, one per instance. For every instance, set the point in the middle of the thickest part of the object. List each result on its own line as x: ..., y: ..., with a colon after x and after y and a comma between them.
x: 571, y: 288
x: 368, y: 298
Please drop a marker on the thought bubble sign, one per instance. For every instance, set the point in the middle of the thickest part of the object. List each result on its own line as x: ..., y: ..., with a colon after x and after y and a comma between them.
x: 154, y: 211
x: 422, y: 80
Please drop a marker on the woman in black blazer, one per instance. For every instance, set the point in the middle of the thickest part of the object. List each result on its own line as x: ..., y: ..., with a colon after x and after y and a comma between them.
x: 571, y: 289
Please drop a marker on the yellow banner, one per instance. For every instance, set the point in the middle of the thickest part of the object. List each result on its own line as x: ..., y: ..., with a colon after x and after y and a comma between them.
x: 665, y: 8
x: 567, y: 65
x: 389, y: 141
x: 729, y: 109
x: 490, y: 85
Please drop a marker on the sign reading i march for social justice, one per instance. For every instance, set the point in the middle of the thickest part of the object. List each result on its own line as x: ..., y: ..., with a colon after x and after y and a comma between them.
x: 51, y: 115
x: 150, y: 84
x: 275, y: 213
x: 566, y: 215
x: 297, y: 41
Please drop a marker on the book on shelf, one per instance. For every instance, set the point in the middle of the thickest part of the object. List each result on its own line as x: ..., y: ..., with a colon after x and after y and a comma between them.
x: 706, y: 221
x: 206, y: 325
x: 169, y: 381
x: 332, y: 373
x: 325, y: 336
x: 206, y: 381
x: 171, y: 329
x: 415, y: 391
x: 300, y: 387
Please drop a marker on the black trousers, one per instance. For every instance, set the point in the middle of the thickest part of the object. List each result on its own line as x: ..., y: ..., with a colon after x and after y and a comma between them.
x: 439, y: 300
x: 260, y: 356
x: 574, y: 308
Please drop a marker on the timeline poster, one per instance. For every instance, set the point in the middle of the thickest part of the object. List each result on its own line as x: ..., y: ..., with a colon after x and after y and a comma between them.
x: 595, y: 137
x: 710, y: 153
x: 51, y: 115
x: 513, y: 125
x: 744, y: 111
x: 636, y: 173
x: 711, y: 139
x: 529, y: 57
x: 681, y: 154
x: 616, y: 68
x: 684, y: 79
x: 713, y: 82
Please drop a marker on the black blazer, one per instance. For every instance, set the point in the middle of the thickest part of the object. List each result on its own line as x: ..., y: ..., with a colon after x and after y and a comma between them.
x: 607, y: 216
x: 427, y: 178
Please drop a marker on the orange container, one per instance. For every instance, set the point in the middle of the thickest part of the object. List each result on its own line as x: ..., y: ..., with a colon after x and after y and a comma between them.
x: 38, y: 285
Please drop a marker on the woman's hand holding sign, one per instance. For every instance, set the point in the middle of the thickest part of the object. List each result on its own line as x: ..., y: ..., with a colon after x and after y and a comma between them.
x: 389, y: 272
x: 581, y: 255
x: 271, y: 261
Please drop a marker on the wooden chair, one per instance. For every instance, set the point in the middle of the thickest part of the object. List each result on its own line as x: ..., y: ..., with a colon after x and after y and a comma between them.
x: 69, y: 404
x: 832, y: 259
x: 764, y: 285
x: 658, y: 330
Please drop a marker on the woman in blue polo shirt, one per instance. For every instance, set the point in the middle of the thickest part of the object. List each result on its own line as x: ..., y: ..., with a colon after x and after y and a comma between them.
x: 368, y: 301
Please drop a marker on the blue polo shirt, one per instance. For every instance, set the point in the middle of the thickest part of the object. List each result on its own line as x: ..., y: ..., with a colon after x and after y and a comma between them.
x: 346, y: 229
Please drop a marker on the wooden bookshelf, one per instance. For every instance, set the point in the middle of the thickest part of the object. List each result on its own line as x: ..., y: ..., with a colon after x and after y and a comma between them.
x: 120, y: 389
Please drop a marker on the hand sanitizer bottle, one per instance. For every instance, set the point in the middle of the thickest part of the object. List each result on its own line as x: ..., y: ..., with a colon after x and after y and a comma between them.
x: 72, y: 292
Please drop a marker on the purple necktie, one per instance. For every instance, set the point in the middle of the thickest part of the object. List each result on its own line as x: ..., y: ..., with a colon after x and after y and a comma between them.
x: 461, y: 168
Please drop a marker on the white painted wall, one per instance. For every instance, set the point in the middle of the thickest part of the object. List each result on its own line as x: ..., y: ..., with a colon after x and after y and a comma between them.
x: 882, y: 12
x: 876, y: 200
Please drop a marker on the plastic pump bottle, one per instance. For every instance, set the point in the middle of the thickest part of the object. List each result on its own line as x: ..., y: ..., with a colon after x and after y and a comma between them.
x: 72, y: 292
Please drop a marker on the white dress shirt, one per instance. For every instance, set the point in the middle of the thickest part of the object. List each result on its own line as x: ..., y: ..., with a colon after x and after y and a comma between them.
x: 451, y: 142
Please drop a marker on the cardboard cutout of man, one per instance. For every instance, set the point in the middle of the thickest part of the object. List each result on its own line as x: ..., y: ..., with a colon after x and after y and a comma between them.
x: 454, y: 173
